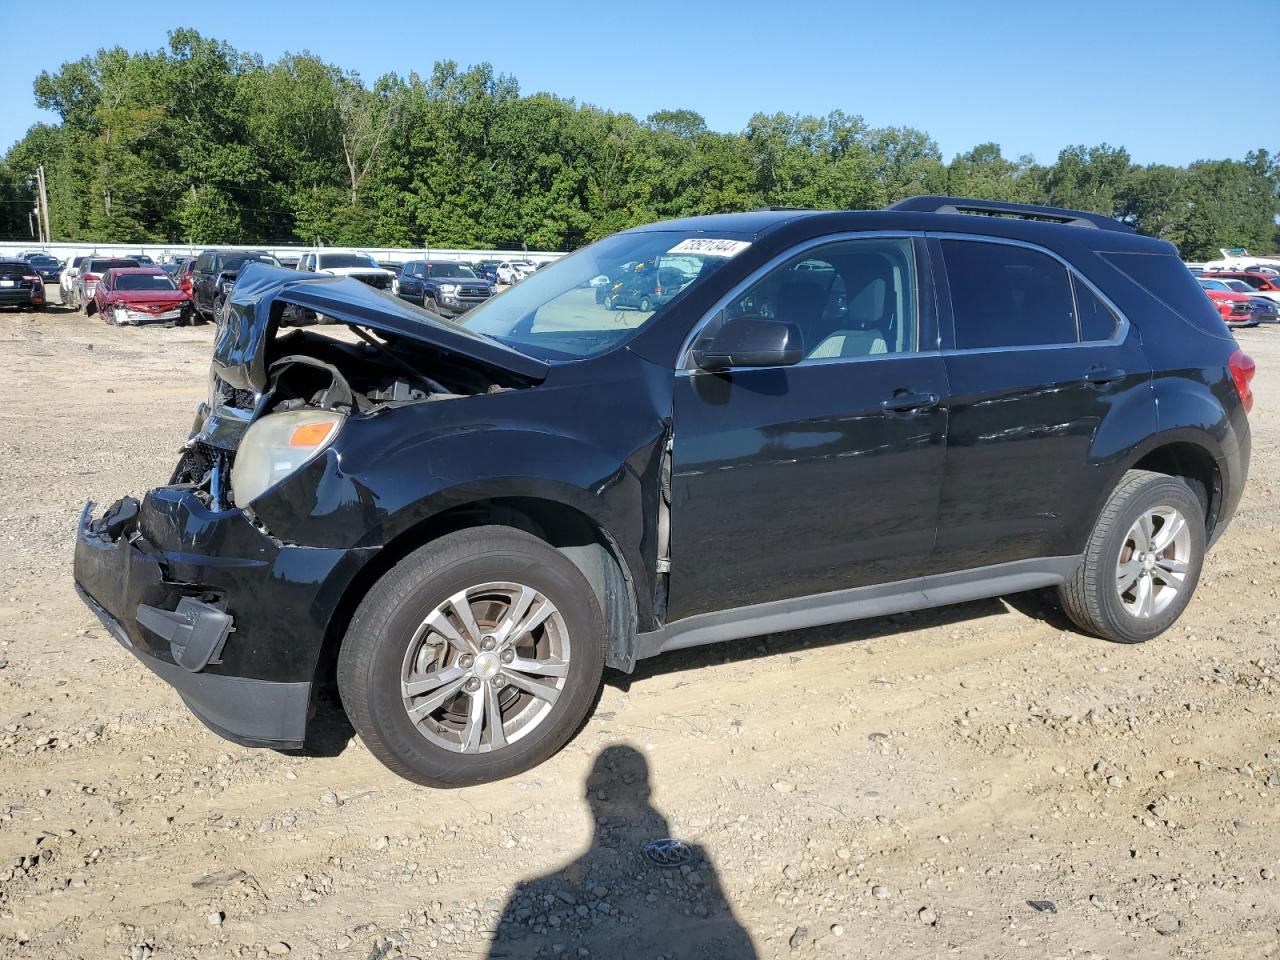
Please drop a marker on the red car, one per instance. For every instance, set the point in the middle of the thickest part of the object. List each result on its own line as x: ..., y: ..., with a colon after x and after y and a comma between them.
x: 1264, y: 284
x: 183, y: 276
x: 1234, y: 307
x: 133, y: 295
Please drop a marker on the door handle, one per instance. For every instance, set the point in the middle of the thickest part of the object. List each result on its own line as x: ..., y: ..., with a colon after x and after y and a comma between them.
x: 902, y: 402
x: 1098, y: 376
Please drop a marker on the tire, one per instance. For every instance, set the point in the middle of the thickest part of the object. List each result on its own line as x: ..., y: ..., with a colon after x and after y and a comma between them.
x: 1100, y: 599
x: 645, y: 304
x: 388, y: 636
x: 89, y: 309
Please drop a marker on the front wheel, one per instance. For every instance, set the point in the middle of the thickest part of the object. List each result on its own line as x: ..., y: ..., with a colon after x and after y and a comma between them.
x: 476, y: 657
x: 1142, y: 562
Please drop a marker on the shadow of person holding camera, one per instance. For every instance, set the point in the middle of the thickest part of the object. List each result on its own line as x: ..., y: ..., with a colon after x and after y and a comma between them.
x: 614, y: 901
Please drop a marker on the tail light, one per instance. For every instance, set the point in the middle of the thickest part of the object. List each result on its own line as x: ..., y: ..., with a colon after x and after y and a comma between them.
x: 1242, y: 371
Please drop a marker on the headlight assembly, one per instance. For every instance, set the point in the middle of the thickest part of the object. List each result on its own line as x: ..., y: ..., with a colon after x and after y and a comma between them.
x: 277, y: 445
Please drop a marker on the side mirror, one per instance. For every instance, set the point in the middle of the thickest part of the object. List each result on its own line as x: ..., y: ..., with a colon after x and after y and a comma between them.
x: 750, y: 341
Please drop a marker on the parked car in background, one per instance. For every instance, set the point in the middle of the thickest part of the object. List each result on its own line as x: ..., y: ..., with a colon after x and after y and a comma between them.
x: 49, y: 268
x: 214, y: 274
x: 1262, y: 284
x: 513, y: 271
x: 488, y: 270
x: 346, y: 264
x: 20, y: 285
x: 445, y: 287
x: 144, y: 260
x: 70, y: 273
x: 289, y: 263
x: 91, y: 272
x: 647, y: 285
x: 182, y: 278
x: 138, y: 295
x: 1234, y: 307
x: 476, y: 517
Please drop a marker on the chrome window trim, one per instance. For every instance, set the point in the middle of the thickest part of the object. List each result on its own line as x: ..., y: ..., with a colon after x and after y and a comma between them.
x: 684, y: 363
x: 1122, y: 324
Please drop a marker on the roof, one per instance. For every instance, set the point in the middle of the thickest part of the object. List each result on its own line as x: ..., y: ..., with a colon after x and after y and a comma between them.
x: 913, y: 213
x: 149, y: 271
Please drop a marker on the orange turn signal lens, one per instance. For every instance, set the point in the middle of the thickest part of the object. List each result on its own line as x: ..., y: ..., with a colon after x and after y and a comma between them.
x: 310, y: 434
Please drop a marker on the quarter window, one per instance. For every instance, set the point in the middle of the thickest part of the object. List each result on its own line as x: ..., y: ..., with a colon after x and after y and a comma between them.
x: 1008, y: 296
x: 1097, y: 322
x: 850, y: 298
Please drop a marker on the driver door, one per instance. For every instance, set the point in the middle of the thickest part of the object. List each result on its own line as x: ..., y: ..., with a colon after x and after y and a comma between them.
x: 805, y: 479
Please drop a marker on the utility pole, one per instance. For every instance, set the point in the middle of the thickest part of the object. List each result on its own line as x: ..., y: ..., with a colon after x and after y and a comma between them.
x: 44, y: 204
x: 31, y: 223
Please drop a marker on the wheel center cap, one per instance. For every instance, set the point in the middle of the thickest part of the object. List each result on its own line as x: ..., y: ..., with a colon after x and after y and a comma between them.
x: 1149, y: 561
x: 487, y: 666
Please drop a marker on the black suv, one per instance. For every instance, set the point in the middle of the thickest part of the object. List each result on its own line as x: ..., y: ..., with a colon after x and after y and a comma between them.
x: 442, y: 286
x: 842, y: 415
x: 214, y: 274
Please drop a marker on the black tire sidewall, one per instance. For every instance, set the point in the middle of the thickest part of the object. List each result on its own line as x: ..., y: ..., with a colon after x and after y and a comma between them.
x: 1164, y: 492
x: 389, y: 631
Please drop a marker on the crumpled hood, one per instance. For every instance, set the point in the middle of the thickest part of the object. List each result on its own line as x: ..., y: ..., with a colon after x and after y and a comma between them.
x: 261, y: 291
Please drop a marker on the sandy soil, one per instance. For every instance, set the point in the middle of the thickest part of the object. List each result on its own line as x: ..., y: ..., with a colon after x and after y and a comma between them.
x: 978, y: 781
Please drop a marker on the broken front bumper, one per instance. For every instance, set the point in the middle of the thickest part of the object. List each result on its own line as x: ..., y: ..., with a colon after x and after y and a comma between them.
x: 233, y: 619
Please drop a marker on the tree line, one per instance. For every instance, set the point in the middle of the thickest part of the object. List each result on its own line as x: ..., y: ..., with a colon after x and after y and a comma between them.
x: 201, y: 143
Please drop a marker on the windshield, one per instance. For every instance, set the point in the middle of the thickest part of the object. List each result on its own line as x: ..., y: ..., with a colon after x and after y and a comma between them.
x: 330, y: 261
x: 43, y: 261
x: 1239, y: 286
x: 1213, y: 285
x: 143, y: 281
x: 237, y: 262
x: 450, y: 270
x: 600, y: 296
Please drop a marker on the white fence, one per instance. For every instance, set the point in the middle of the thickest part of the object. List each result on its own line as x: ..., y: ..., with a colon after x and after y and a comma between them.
x: 159, y: 251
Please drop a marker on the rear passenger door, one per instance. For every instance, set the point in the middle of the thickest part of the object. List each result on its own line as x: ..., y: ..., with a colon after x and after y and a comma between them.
x: 1047, y: 379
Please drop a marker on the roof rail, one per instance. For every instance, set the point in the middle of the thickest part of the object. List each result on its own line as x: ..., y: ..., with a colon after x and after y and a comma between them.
x: 1027, y: 211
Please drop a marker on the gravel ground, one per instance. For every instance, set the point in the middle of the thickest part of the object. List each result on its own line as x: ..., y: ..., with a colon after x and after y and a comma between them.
x: 977, y: 781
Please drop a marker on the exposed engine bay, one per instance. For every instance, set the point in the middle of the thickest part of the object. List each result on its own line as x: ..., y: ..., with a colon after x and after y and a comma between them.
x: 355, y: 366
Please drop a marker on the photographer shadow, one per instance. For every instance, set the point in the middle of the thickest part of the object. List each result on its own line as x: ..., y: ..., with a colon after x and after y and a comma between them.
x: 613, y: 901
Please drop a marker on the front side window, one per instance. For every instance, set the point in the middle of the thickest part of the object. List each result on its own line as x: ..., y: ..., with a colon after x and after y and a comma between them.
x: 850, y: 298
x: 1008, y: 296
x: 595, y: 299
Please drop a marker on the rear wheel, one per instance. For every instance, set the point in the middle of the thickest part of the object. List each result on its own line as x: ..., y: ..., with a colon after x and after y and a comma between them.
x: 1142, y: 562
x: 474, y: 658
x: 645, y: 304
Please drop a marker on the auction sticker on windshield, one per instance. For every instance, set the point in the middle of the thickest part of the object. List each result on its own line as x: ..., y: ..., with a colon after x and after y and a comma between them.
x: 711, y: 248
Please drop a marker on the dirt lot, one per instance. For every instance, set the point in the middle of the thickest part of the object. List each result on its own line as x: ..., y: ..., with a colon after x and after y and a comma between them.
x: 978, y: 781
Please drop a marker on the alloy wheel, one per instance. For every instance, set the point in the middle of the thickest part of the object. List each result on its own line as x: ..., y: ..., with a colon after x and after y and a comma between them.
x: 485, y: 667
x: 1153, y: 562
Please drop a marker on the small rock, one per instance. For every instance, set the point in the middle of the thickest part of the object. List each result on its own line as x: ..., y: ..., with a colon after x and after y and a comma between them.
x: 782, y: 786
x: 880, y: 892
x: 278, y: 949
x: 1166, y: 924
x: 790, y: 872
x: 1043, y: 906
x: 927, y: 916
x: 837, y: 930
x: 1096, y: 900
x: 1265, y: 873
x: 342, y: 941
x: 215, y: 919
x: 799, y: 937
x: 1115, y: 782
x: 1059, y: 769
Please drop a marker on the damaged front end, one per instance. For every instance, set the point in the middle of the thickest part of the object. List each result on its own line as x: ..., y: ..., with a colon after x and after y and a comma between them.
x: 232, y: 613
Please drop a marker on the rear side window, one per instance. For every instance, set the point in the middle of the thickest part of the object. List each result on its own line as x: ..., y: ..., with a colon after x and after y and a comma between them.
x: 1166, y: 278
x: 1008, y: 296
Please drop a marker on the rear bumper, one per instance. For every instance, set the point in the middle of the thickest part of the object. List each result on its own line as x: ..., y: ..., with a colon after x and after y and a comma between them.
x: 229, y: 617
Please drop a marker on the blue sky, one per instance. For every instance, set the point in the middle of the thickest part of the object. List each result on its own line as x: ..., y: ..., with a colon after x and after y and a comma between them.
x: 1168, y: 80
